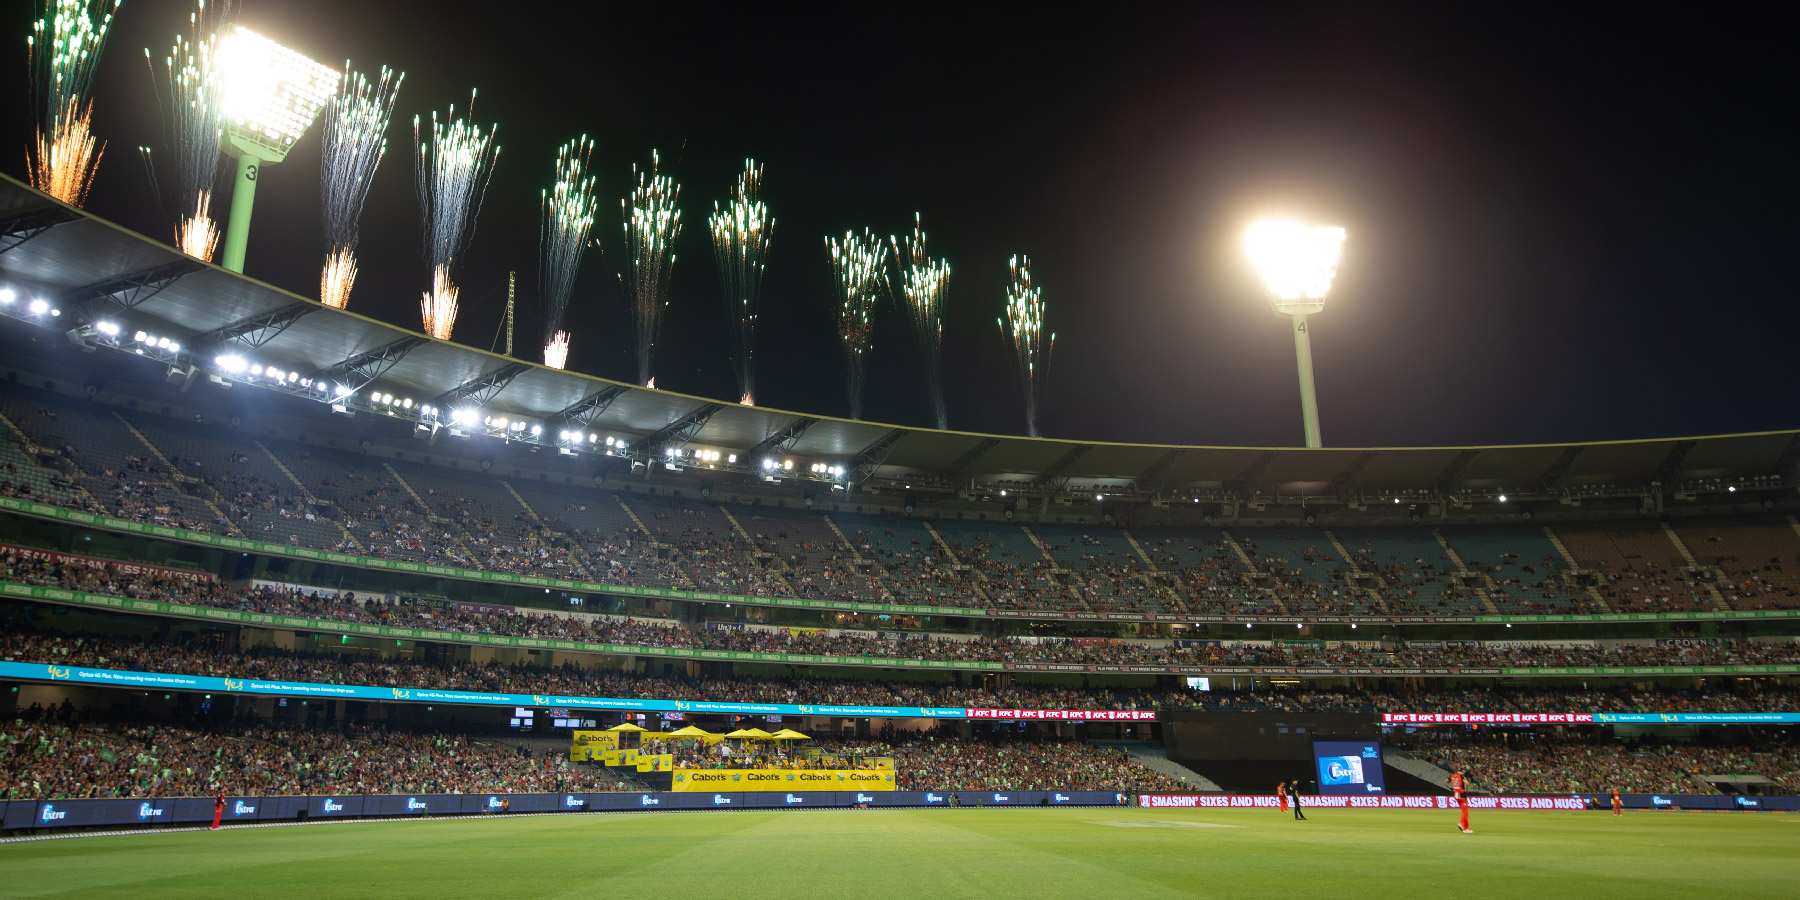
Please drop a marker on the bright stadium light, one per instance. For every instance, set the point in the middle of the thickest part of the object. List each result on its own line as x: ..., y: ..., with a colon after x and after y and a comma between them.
x: 1298, y: 263
x: 270, y: 95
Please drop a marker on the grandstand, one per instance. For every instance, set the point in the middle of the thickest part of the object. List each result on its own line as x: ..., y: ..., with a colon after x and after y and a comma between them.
x: 341, y: 575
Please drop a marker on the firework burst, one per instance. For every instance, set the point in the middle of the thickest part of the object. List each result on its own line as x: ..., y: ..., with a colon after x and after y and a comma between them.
x: 452, y: 162
x: 568, y: 219
x: 652, y: 223
x: 1023, y: 326
x: 740, y: 243
x: 195, y: 122
x: 741, y: 232
x: 355, y: 140
x: 63, y: 52
x: 860, y: 264
x: 923, y: 283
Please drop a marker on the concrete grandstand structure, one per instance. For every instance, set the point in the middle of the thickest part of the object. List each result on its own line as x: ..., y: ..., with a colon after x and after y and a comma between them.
x: 193, y: 459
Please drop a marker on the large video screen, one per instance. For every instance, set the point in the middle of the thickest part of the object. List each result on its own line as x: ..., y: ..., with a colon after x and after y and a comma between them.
x: 1349, y: 767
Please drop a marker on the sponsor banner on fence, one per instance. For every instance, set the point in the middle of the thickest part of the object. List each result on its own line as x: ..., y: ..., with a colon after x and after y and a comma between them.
x: 782, y: 779
x: 43, y: 510
x: 584, y: 745
x: 1726, y: 718
x: 1310, y: 801
x: 1540, y: 803
x: 125, y: 568
x: 1484, y: 718
x: 122, y: 678
x: 1093, y: 715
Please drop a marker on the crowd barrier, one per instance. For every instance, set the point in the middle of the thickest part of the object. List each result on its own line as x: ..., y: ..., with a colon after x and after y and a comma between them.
x: 35, y: 814
x: 1445, y: 802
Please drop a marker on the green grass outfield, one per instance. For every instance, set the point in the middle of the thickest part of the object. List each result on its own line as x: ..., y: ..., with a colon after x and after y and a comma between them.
x: 1020, y: 854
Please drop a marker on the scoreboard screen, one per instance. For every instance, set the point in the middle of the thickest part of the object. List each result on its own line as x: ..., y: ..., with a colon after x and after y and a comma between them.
x: 1349, y: 767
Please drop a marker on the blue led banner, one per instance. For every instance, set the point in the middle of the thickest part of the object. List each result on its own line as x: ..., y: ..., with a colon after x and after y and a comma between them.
x: 162, y: 681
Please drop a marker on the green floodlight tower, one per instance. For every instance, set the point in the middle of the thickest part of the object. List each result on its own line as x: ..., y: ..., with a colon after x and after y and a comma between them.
x: 1298, y: 263
x: 270, y: 95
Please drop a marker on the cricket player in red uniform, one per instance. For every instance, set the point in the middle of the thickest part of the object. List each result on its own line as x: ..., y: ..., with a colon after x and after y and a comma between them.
x: 1459, y: 786
x: 1281, y: 792
x: 1618, y: 804
x: 218, y: 809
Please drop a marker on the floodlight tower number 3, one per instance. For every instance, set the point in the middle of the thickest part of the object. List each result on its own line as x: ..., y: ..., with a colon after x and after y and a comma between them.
x: 270, y: 97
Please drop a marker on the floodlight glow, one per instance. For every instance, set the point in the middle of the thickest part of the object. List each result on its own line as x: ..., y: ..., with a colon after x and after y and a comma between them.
x: 7, y: 295
x: 1502, y: 498
x: 270, y: 93
x: 39, y: 307
x: 109, y: 329
x: 231, y: 363
x: 1297, y: 262
x: 268, y: 96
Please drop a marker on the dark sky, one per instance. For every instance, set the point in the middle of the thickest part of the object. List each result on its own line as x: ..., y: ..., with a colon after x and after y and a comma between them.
x: 1563, y: 226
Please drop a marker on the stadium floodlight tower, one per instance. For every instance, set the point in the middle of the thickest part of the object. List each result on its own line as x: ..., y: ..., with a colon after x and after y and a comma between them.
x: 1298, y: 263
x: 270, y: 96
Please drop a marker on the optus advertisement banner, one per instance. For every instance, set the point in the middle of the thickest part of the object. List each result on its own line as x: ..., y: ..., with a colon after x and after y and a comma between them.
x: 782, y: 779
x: 1311, y: 801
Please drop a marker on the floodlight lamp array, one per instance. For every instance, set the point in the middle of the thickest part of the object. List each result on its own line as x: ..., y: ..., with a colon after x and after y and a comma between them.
x: 1298, y: 263
x: 271, y: 93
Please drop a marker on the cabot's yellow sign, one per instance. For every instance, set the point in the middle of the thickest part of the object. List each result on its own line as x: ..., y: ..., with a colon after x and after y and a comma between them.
x: 782, y: 780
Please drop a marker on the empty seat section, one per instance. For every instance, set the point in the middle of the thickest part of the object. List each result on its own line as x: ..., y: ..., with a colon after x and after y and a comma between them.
x: 1527, y: 574
x: 375, y: 508
x: 24, y: 478
x: 1212, y: 577
x: 1114, y: 578
x: 1759, y: 556
x: 817, y: 564
x: 1305, y: 570
x: 911, y: 562
x: 1638, y: 567
x: 711, y: 552
x: 116, y: 468
x: 1416, y: 573
x: 493, y: 525
x: 262, y: 501
x: 618, y: 552
x: 1014, y: 574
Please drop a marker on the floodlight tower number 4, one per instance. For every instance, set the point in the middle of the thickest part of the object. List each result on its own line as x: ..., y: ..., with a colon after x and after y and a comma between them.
x: 1298, y: 263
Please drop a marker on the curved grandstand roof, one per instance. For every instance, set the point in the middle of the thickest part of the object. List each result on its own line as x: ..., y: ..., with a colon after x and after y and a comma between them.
x: 96, y: 268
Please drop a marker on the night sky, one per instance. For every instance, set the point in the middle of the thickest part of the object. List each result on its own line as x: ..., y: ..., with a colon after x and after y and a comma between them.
x: 1560, y: 228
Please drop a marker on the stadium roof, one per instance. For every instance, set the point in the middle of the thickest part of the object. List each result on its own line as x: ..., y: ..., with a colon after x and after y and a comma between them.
x: 95, y: 268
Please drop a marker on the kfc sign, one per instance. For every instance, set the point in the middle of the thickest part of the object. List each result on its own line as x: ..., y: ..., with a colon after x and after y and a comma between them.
x: 1485, y: 718
x: 1064, y: 715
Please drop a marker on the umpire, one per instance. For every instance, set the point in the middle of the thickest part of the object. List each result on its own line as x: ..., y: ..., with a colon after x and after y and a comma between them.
x: 1294, y: 800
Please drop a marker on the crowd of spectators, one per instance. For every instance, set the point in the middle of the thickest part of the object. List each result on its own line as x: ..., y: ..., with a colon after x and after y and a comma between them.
x: 56, y: 760
x: 20, y: 642
x: 932, y: 764
x: 136, y: 582
x: 1533, y: 764
x: 44, y: 758
x: 370, y: 509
